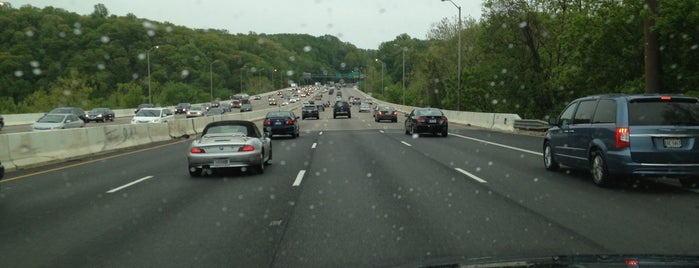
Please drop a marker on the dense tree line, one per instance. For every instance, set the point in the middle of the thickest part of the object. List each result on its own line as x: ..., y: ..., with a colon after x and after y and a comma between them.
x: 52, y: 57
x: 528, y: 57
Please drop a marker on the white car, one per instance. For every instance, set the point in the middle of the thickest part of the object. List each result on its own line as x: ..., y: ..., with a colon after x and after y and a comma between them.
x: 153, y: 115
x: 58, y: 121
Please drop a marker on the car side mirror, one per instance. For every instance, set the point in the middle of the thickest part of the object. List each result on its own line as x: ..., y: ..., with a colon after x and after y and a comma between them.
x: 553, y: 121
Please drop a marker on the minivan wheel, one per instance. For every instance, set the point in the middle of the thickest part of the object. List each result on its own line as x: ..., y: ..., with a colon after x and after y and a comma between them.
x: 549, y: 162
x: 598, y: 168
x: 690, y: 182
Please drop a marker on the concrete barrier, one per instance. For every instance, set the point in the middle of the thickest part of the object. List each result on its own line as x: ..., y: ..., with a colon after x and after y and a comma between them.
x: 32, y: 148
x: 123, y: 136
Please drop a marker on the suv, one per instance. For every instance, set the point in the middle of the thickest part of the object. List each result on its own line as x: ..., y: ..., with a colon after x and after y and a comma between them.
x: 626, y: 135
x: 342, y: 108
x: 310, y: 111
x: 182, y: 108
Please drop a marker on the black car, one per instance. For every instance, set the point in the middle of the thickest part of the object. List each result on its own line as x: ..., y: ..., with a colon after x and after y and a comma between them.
x: 182, y: 108
x: 100, y: 115
x: 2, y: 122
x: 426, y: 120
x: 385, y: 112
x: 143, y: 105
x: 2, y: 171
x: 342, y: 108
x: 310, y: 111
x: 71, y: 110
x: 281, y: 123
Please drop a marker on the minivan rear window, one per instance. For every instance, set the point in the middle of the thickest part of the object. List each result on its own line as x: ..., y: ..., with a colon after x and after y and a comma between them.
x: 647, y: 112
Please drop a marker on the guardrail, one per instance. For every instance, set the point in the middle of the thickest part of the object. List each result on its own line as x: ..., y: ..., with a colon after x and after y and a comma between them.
x: 532, y: 124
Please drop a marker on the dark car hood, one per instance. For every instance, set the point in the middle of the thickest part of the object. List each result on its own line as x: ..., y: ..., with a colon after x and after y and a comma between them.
x: 620, y: 260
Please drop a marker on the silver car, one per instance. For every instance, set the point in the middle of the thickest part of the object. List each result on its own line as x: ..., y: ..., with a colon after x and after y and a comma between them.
x: 58, y: 121
x: 196, y: 111
x: 229, y: 144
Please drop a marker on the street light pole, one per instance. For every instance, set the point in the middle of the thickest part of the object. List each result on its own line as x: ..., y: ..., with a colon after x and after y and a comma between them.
x: 404, y: 49
x: 383, y: 65
x: 458, y: 69
x: 211, y: 78
x: 150, y: 99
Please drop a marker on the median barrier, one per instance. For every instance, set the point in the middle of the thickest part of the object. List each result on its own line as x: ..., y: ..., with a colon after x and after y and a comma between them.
x: 159, y: 132
x: 181, y: 127
x: 21, y: 119
x: 5, y: 153
x: 126, y: 135
x: 32, y: 148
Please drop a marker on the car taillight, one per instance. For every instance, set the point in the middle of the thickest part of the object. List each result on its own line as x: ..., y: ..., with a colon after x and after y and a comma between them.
x: 665, y: 98
x: 622, y: 137
x: 246, y: 148
x: 444, y: 119
x: 267, y: 122
x: 289, y: 121
x: 394, y: 113
x: 421, y: 119
x: 197, y: 150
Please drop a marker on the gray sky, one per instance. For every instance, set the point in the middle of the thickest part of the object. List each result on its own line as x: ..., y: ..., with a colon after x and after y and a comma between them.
x: 364, y: 23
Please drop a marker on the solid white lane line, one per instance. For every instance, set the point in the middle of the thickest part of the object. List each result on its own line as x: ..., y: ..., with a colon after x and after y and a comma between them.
x: 129, y: 184
x: 497, y: 144
x: 314, y: 145
x: 408, y: 144
x: 299, y: 177
x: 470, y: 175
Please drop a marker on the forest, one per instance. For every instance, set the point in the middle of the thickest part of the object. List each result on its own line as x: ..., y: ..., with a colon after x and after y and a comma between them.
x: 528, y: 57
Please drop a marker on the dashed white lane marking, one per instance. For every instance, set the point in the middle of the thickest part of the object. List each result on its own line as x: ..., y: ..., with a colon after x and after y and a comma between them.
x: 497, y: 144
x: 314, y: 145
x: 470, y: 175
x: 299, y: 178
x: 129, y: 184
x: 408, y: 144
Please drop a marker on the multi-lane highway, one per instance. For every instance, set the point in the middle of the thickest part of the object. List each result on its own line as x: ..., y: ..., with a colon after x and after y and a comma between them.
x: 346, y: 193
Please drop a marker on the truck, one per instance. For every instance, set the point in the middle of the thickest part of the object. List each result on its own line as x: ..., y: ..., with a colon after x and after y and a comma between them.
x: 239, y: 100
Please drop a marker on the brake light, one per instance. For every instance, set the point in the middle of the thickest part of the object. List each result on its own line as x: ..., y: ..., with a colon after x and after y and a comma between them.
x: 444, y: 119
x: 622, y: 137
x: 197, y: 150
x: 421, y: 119
x: 289, y: 121
x: 267, y: 122
x: 665, y: 98
x: 246, y: 148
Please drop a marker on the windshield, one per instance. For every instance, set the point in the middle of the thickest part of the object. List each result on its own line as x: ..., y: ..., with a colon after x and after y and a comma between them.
x: 387, y: 133
x: 148, y: 113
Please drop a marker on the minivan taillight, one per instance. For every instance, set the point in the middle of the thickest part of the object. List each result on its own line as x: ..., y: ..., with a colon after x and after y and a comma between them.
x: 622, y: 137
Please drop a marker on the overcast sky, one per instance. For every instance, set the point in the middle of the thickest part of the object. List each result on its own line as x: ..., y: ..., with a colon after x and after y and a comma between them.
x: 364, y: 23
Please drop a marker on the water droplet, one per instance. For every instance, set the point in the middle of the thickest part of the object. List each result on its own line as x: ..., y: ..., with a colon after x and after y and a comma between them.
x: 104, y: 39
x: 307, y: 49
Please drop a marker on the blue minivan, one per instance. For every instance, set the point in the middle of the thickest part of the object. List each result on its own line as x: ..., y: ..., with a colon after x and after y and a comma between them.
x: 617, y: 136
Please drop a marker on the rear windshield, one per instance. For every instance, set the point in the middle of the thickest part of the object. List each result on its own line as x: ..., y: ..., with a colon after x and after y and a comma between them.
x: 657, y: 112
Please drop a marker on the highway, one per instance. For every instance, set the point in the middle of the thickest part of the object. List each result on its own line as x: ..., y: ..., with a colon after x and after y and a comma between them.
x: 346, y: 193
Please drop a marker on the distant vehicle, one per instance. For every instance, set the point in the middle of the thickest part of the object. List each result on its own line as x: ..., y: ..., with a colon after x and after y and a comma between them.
x: 2, y: 171
x: 385, y: 112
x: 70, y: 110
x: 426, y: 120
x: 310, y: 111
x: 281, y: 123
x: 285, y: 103
x: 246, y: 108
x: 319, y: 97
x: 342, y: 108
x: 272, y: 101
x: 100, y: 115
x: 215, y: 104
x: 229, y: 144
x: 365, y: 107
x: 227, y: 107
x: 206, y: 106
x: 215, y: 111
x: 58, y: 121
x: 257, y: 97
x: 240, y: 99
x: 182, y: 108
x: 153, y: 115
x: 196, y: 111
x: 614, y: 136
x: 143, y: 105
x: 2, y: 122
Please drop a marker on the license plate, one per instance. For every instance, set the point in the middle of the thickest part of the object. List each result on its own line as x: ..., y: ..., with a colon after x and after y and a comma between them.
x: 220, y: 162
x: 672, y: 143
x: 432, y: 121
x: 278, y: 123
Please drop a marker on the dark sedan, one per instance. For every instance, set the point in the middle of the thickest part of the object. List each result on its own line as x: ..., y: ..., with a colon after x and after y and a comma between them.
x: 426, y: 120
x: 182, y: 108
x: 384, y: 112
x: 100, y: 115
x: 310, y: 111
x: 281, y: 123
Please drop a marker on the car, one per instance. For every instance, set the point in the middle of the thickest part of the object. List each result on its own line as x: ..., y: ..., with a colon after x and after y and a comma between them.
x: 426, y: 120
x: 58, y: 121
x: 285, y: 103
x: 2, y: 122
x: 68, y: 110
x: 182, y: 107
x: 206, y: 106
x: 272, y: 101
x: 385, y: 112
x: 196, y: 111
x: 246, y: 107
x: 229, y: 144
x: 282, y: 122
x: 215, y: 104
x: 143, y: 105
x: 2, y: 171
x: 227, y: 107
x: 616, y: 136
x: 318, y: 97
x: 338, y: 98
x: 310, y: 111
x: 153, y: 115
x: 365, y: 107
x: 214, y: 111
x: 342, y: 108
x: 321, y: 107
x: 257, y: 97
x: 100, y: 115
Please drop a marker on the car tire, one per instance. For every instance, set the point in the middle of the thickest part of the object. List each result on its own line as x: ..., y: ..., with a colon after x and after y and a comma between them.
x: 549, y: 162
x: 195, y: 172
x: 269, y: 160
x: 445, y: 133
x: 690, y: 182
x: 260, y: 168
x: 598, y: 168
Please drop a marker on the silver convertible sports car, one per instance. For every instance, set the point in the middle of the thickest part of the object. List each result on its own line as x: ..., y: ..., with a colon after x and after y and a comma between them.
x: 230, y: 144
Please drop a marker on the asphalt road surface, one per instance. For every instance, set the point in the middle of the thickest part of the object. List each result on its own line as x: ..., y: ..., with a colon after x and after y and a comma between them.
x: 346, y: 193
